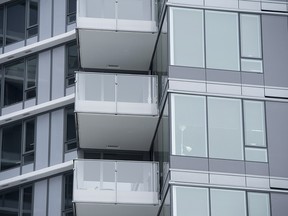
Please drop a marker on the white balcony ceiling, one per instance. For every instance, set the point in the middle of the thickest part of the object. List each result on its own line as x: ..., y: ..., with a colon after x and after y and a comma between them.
x: 121, y: 132
x: 92, y: 209
x: 116, y: 50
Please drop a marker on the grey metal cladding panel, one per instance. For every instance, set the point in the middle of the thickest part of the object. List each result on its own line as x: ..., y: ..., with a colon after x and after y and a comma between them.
x: 187, y: 73
x: 55, y: 196
x: 58, y: 72
x: 279, y: 205
x: 189, y: 163
x: 277, y: 136
x: 40, y: 198
x: 223, y: 76
x: 57, y: 137
x: 44, y: 70
x: 252, y: 78
x: 45, y: 23
x: 275, y: 50
x: 229, y: 166
x: 254, y: 168
x: 59, y: 21
x: 42, y: 142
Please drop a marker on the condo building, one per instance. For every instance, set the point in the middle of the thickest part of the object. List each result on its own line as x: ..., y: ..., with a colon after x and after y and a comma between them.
x: 143, y: 107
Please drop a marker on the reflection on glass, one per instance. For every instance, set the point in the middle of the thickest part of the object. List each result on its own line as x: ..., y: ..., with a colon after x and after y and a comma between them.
x: 27, y: 198
x: 14, y: 78
x: 190, y: 199
x: 250, y: 36
x: 187, y: 37
x: 33, y: 12
x: 225, y: 128
x: 258, y: 204
x: 222, y: 40
x: 72, y: 62
x: 71, y: 128
x: 228, y: 202
x: 31, y: 78
x: 190, y: 126
x: 1, y: 26
x: 251, y: 65
x: 30, y: 135
x: 256, y: 154
x: 11, y: 146
x: 254, y: 123
x: 15, y: 27
x: 68, y: 191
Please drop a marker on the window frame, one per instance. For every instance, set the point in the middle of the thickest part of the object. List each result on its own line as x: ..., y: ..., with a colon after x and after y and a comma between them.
x: 68, y: 76
x: 70, y: 142
x: 70, y: 14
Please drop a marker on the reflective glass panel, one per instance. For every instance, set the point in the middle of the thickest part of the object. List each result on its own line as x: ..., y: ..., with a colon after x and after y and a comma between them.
x: 191, y: 200
x: 222, y: 40
x: 15, y: 27
x: 14, y: 78
x: 250, y: 36
x: 11, y: 146
x: 31, y: 72
x: 258, y: 204
x: 30, y: 135
x: 256, y: 154
x: 225, y: 128
x: 72, y: 62
x: 227, y: 203
x: 254, y: 123
x: 33, y: 12
x: 71, y: 128
x: 27, y: 198
x: 189, y: 125
x: 187, y: 37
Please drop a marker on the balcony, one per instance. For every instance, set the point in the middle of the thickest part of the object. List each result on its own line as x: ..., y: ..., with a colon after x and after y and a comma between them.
x: 116, y: 34
x: 116, y: 111
x: 101, y: 184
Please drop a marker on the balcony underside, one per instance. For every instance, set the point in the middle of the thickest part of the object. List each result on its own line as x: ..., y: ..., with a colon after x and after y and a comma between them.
x: 91, y: 209
x: 110, y: 131
x: 116, y: 50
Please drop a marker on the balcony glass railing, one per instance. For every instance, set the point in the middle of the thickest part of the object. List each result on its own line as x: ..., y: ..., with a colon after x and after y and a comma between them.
x: 117, y: 14
x: 103, y: 181
x: 115, y: 93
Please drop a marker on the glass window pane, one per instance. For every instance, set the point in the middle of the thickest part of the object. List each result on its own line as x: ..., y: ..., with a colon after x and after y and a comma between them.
x: 33, y: 12
x: 11, y: 146
x: 256, y: 154
x: 29, y: 158
x: 71, y: 18
x: 225, y: 128
x: 251, y: 65
x: 190, y: 201
x: 258, y: 204
x: 11, y: 200
x: 14, y: 78
x: 189, y: 126
x: 254, y: 122
x: 71, y: 6
x: 227, y: 203
x: 141, y: 9
x: 187, y: 37
x: 71, y: 128
x: 1, y: 27
x: 27, y: 198
x: 30, y: 135
x: 99, y: 9
x: 15, y: 27
x: 250, y: 36
x: 68, y: 191
x: 33, y: 31
x: 222, y: 40
x: 31, y: 73
x: 72, y: 61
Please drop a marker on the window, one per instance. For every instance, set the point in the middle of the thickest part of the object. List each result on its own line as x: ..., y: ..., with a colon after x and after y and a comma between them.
x: 20, y: 80
x: 218, y: 41
x: 26, y: 24
x: 18, y: 144
x: 71, y: 11
x: 199, y: 122
x: 190, y: 125
x: 216, y: 202
x: 68, y: 195
x: 71, y: 142
x: 225, y: 128
x: 17, y: 202
x: 72, y: 63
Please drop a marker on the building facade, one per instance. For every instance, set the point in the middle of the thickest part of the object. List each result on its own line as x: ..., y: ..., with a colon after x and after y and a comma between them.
x: 143, y: 107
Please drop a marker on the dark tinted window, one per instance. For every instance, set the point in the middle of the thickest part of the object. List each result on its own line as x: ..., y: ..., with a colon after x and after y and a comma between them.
x: 33, y: 12
x: 70, y: 129
x: 14, y: 77
x: 68, y: 191
x: 71, y: 11
x: 11, y: 146
x: 27, y: 199
x: 15, y: 26
x: 1, y: 27
x: 72, y: 63
x: 30, y: 134
x: 31, y: 78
